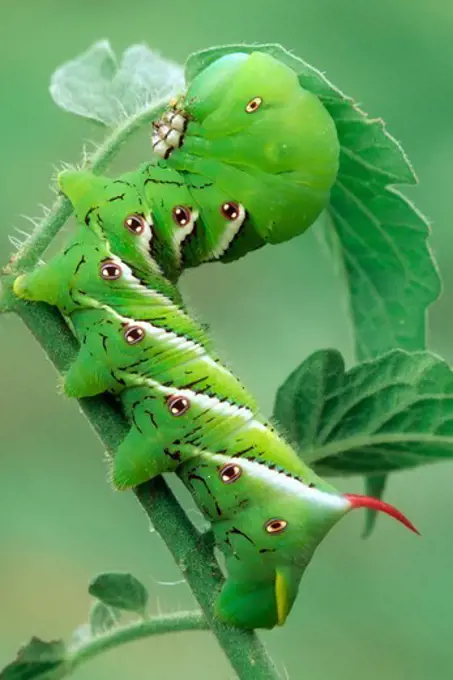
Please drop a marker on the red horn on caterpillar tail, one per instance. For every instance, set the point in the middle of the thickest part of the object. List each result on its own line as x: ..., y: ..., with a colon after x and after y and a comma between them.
x: 358, y: 501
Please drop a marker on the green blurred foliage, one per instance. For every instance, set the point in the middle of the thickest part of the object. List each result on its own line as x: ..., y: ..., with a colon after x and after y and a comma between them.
x: 381, y: 608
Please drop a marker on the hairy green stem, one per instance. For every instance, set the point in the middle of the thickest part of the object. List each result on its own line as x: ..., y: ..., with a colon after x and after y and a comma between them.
x: 33, y: 248
x: 138, y: 630
x: 191, y: 551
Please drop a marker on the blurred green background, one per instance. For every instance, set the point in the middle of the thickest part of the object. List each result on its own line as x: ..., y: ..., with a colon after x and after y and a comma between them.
x: 370, y: 610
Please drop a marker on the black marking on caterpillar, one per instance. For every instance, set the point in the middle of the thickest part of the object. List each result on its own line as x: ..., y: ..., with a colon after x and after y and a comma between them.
x: 235, y: 530
x: 134, y: 420
x: 194, y: 476
x: 123, y: 181
x: 88, y: 215
x: 81, y: 262
x: 237, y: 454
x: 152, y: 419
x: 173, y: 456
x: 153, y: 180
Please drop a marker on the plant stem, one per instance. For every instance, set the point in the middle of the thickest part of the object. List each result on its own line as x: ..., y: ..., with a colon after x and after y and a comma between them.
x: 191, y: 552
x: 29, y: 254
x: 138, y: 630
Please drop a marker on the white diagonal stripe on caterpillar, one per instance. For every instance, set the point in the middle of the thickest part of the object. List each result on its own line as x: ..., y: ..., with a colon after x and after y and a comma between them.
x: 231, y: 229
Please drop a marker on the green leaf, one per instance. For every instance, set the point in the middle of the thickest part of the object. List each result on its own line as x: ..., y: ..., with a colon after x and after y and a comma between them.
x: 103, y: 618
x: 122, y: 591
x: 387, y: 414
x: 38, y: 659
x: 377, y: 237
x: 94, y: 86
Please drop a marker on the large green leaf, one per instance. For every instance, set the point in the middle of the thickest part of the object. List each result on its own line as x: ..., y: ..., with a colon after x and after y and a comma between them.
x: 386, y: 414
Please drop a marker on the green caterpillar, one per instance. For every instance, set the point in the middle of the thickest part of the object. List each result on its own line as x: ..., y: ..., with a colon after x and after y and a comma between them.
x: 114, y: 283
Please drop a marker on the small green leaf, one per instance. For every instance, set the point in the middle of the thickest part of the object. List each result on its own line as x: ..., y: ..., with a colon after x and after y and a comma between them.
x: 103, y: 618
x: 38, y: 659
x: 122, y: 591
x: 387, y: 414
x: 94, y: 86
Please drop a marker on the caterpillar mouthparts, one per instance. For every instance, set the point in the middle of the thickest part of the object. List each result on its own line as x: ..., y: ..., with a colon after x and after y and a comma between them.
x: 168, y: 132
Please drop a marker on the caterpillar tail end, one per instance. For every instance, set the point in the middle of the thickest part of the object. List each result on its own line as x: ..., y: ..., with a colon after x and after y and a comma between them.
x: 358, y: 501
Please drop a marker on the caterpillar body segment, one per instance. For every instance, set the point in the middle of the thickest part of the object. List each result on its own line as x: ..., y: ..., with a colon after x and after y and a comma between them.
x: 261, y: 513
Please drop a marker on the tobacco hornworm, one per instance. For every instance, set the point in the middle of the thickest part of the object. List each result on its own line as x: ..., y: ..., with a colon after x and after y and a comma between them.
x: 114, y: 283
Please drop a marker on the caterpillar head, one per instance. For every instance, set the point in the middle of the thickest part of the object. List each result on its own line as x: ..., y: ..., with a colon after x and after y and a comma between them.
x: 270, y: 543
x: 249, y: 112
x: 232, y: 93
x: 255, y: 112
